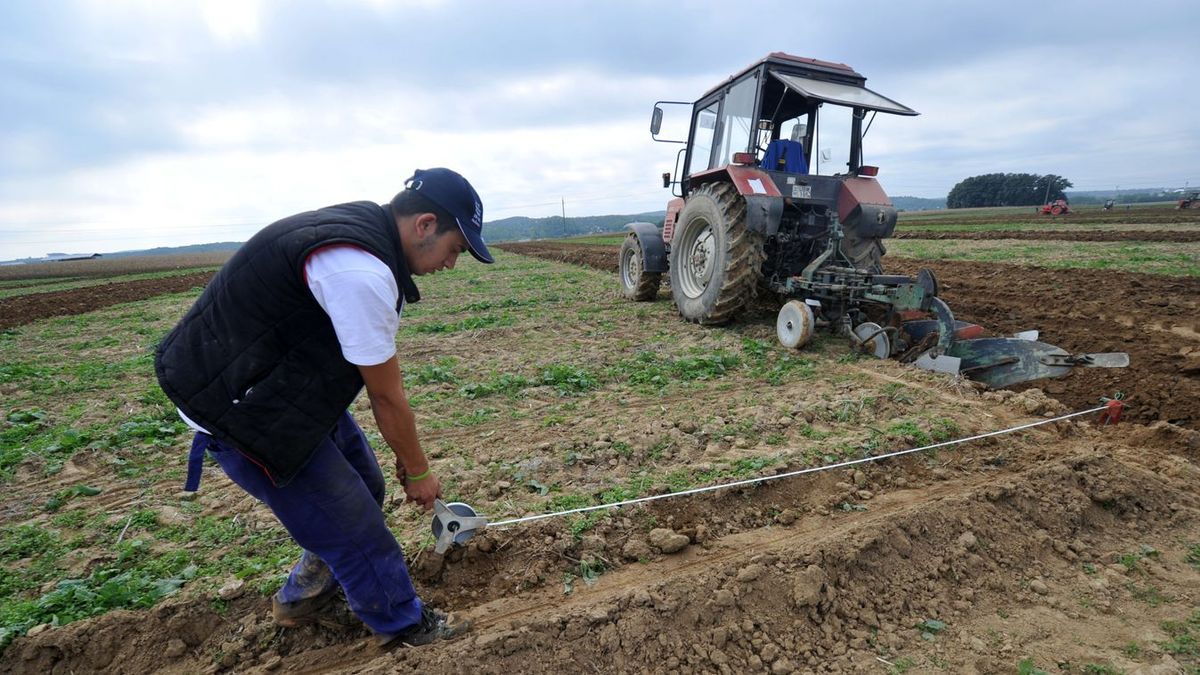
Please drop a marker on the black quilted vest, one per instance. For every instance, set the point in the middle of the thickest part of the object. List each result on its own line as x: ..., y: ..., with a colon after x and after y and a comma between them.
x: 256, y: 361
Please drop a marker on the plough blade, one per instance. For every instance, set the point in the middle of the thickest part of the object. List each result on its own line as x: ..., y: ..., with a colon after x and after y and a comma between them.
x: 1002, y: 362
x: 944, y: 363
x: 1098, y: 360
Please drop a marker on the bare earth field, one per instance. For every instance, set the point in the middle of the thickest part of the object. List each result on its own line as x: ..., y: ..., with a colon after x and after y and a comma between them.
x: 21, y: 309
x: 1188, y: 235
x: 1160, y: 215
x: 1065, y: 548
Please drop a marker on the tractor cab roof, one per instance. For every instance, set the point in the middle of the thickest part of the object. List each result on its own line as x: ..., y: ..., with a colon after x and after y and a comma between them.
x: 817, y: 80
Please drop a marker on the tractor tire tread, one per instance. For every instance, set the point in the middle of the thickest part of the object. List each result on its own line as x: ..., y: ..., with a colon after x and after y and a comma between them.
x: 648, y: 282
x: 740, y: 278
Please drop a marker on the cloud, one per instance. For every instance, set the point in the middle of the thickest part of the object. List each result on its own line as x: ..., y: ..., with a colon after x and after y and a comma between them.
x: 134, y: 122
x: 232, y: 20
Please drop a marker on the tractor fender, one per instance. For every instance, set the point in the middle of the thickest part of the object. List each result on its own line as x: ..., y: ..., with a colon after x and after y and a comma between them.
x: 863, y: 204
x: 764, y: 201
x: 654, y: 251
x: 673, y: 208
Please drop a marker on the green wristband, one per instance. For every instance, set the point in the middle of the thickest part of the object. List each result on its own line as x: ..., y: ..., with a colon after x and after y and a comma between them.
x: 421, y: 476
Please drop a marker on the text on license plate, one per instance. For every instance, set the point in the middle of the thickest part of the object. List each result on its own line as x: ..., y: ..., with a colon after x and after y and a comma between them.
x: 801, y: 192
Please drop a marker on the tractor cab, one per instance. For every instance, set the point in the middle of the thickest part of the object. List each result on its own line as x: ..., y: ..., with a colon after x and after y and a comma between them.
x: 771, y: 110
x: 788, y: 133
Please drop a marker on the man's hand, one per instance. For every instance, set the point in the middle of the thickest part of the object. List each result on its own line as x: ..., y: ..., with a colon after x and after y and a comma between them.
x: 422, y: 491
x: 385, y: 387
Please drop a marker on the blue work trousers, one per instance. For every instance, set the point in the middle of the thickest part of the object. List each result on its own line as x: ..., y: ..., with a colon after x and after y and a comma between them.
x: 333, y: 509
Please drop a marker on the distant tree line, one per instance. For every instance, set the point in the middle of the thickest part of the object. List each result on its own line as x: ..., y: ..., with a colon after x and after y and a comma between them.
x: 904, y: 203
x: 1006, y: 189
x: 553, y: 227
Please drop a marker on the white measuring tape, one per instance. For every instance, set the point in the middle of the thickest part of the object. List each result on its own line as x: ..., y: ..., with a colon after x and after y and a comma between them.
x: 755, y: 481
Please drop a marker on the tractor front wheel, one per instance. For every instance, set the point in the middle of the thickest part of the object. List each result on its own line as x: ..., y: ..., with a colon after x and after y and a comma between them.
x: 636, y: 283
x: 716, y: 261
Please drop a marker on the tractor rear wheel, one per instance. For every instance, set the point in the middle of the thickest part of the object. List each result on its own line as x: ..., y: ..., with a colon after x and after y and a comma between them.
x: 716, y: 261
x: 636, y: 283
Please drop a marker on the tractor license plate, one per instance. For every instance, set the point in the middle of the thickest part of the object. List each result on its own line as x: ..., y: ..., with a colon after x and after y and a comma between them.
x: 801, y: 192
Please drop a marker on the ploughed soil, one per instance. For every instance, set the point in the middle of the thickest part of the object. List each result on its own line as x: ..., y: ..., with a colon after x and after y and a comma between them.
x: 22, y: 309
x: 1059, y: 235
x: 1069, y: 547
x: 1155, y: 319
x: 1159, y: 215
x: 596, y: 256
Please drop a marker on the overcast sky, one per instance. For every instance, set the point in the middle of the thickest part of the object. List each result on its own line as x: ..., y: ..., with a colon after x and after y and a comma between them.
x: 127, y: 124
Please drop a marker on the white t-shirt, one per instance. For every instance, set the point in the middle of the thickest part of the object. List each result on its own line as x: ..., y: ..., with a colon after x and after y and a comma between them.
x: 359, y: 293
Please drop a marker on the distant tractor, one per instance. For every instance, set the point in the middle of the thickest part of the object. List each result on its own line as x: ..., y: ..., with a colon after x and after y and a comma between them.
x: 760, y: 209
x: 1192, y: 201
x: 1109, y: 204
x: 1058, y: 207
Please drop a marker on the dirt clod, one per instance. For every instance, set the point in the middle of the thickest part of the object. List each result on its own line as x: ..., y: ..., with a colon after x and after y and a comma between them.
x: 635, y: 549
x: 234, y: 588
x: 175, y: 648
x: 808, y: 587
x: 668, y: 541
x: 968, y: 541
x: 749, y: 573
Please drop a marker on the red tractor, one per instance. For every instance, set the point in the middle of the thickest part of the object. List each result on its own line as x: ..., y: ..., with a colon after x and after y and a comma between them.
x: 760, y: 208
x: 1192, y: 201
x: 1058, y: 207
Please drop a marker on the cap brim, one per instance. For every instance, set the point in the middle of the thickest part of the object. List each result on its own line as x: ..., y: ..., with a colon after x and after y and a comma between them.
x: 475, y: 244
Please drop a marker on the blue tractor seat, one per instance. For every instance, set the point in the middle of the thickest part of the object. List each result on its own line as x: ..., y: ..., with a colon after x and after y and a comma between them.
x: 785, y: 155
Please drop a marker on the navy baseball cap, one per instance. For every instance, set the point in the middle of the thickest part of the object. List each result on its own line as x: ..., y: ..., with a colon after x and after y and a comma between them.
x: 449, y: 190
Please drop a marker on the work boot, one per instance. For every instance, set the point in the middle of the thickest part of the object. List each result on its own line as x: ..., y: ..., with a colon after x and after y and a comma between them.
x: 301, y: 612
x: 312, y: 584
x: 433, y: 626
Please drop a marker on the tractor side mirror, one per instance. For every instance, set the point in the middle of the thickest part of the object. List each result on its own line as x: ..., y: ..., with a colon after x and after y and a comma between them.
x: 656, y: 119
x: 666, y: 179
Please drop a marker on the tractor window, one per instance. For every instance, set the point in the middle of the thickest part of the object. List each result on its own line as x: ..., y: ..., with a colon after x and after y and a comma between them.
x: 737, y: 121
x: 831, y: 154
x: 705, y: 127
x: 795, y: 129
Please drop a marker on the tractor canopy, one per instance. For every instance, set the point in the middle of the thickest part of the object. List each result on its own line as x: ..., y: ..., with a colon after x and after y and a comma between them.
x: 841, y: 94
